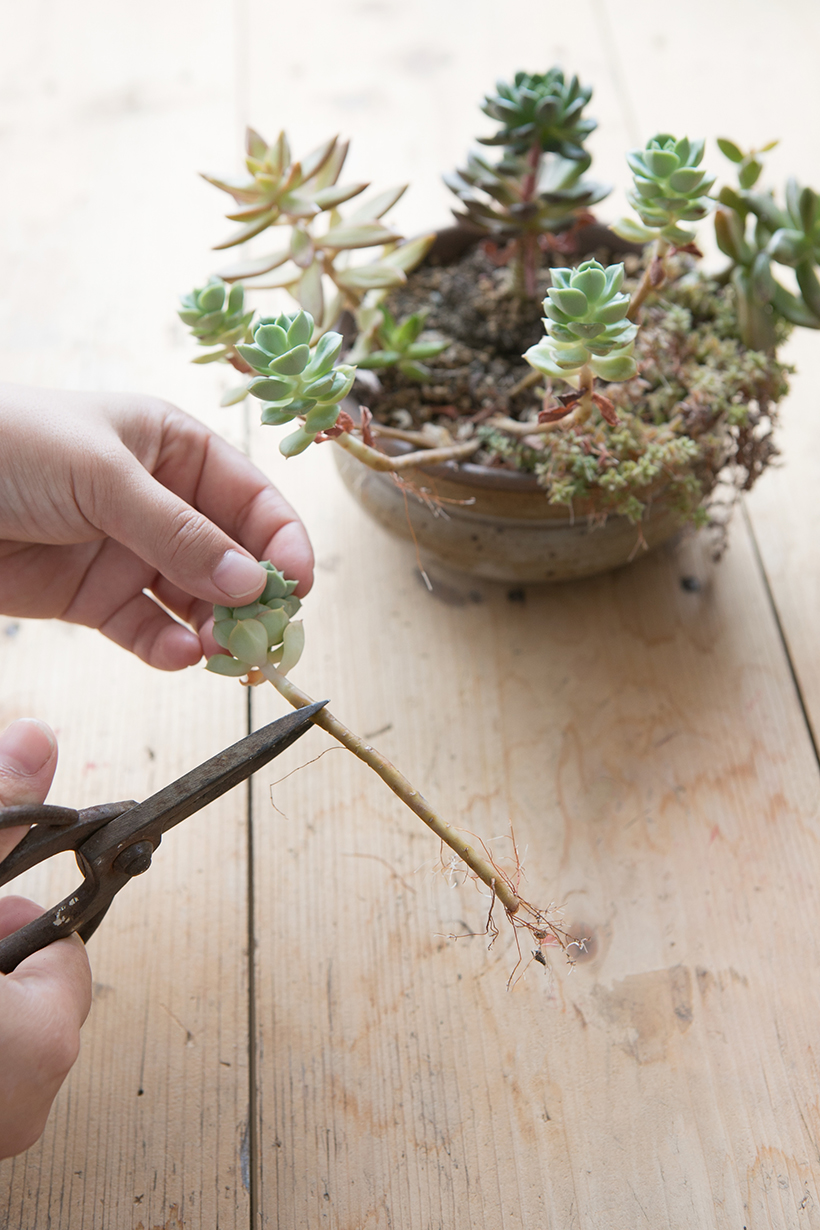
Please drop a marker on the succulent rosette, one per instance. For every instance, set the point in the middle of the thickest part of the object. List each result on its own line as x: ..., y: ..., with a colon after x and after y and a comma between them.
x: 294, y: 380
x: 260, y: 633
x: 670, y: 186
x: 586, y: 325
x: 543, y: 109
x: 215, y: 315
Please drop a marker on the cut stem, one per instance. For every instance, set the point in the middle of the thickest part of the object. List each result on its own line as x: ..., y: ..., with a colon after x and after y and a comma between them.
x: 401, y: 787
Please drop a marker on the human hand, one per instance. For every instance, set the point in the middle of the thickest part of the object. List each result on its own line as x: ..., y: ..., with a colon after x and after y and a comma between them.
x: 103, y: 496
x: 45, y: 1000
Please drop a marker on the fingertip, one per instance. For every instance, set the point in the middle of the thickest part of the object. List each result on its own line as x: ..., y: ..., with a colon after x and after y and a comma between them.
x: 175, y: 648
x: 238, y: 577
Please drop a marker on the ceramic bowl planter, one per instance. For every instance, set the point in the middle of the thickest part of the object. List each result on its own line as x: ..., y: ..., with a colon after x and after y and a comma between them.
x: 498, y: 524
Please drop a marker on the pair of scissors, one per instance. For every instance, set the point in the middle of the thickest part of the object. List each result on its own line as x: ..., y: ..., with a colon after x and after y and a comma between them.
x: 114, y: 842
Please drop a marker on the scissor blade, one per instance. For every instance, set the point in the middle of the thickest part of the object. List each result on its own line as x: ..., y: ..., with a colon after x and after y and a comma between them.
x: 174, y: 803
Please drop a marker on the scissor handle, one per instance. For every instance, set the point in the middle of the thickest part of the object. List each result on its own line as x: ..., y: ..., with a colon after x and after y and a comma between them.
x: 37, y: 813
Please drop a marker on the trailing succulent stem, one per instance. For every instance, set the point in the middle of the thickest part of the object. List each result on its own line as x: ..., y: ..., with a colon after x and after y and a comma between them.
x: 262, y: 643
x: 402, y: 788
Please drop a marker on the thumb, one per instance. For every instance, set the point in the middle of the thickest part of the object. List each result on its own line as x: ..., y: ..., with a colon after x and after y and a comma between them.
x: 28, y: 758
x: 177, y: 540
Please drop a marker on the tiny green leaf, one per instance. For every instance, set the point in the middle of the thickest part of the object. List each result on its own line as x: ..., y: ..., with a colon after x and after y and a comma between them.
x: 730, y: 150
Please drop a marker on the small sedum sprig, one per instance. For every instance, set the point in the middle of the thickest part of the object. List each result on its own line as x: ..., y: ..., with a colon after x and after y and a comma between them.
x: 398, y: 345
x: 261, y: 633
x: 294, y: 381
x: 586, y: 326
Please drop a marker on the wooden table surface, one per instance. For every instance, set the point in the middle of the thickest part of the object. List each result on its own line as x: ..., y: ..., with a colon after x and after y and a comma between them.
x: 283, y: 1033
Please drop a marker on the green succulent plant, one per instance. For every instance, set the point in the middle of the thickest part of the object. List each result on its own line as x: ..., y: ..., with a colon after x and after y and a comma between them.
x: 398, y: 346
x: 586, y: 326
x: 669, y: 187
x: 755, y: 233
x: 537, y: 188
x: 542, y: 109
x: 216, y: 316
x: 261, y: 633
x: 295, y: 381
x: 497, y: 199
x: 304, y: 196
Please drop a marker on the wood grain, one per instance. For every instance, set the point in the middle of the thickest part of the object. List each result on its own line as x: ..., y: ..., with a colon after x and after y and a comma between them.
x: 106, y: 115
x: 644, y: 743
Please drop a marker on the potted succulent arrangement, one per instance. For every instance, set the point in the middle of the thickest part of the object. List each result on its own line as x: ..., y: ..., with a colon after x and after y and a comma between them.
x: 563, y: 407
x: 508, y: 392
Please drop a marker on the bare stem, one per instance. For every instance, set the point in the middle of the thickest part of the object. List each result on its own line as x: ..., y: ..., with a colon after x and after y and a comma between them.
x: 587, y: 384
x: 375, y: 460
x: 401, y: 787
x: 514, y: 427
x: 654, y: 276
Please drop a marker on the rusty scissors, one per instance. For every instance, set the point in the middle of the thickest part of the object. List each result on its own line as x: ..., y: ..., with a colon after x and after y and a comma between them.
x: 114, y: 842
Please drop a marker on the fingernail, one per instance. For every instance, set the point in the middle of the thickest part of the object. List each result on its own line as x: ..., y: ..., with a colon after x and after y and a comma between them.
x: 238, y: 576
x: 26, y: 746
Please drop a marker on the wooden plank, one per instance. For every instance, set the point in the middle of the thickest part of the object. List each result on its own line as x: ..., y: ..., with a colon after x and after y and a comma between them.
x: 644, y: 741
x: 646, y: 745
x: 774, y: 45
x: 106, y: 115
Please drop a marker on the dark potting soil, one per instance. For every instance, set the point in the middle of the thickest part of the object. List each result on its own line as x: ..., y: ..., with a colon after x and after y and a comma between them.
x: 470, y: 303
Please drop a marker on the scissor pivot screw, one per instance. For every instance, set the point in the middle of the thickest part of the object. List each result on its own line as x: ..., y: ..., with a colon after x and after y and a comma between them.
x: 135, y: 859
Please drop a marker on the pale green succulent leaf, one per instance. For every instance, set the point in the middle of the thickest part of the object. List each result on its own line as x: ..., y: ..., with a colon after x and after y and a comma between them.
x: 325, y: 355
x: 409, y: 254
x: 221, y: 664
x: 233, y: 397
x: 293, y: 643
x: 296, y: 443
x: 277, y: 416
x: 292, y: 363
x: 632, y: 231
x: 380, y: 276
x: 614, y: 367
x: 274, y: 623
x: 329, y: 198
x: 365, y: 235
x: 249, y: 643
x: 309, y: 292
x: 321, y: 417
x: 377, y: 206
